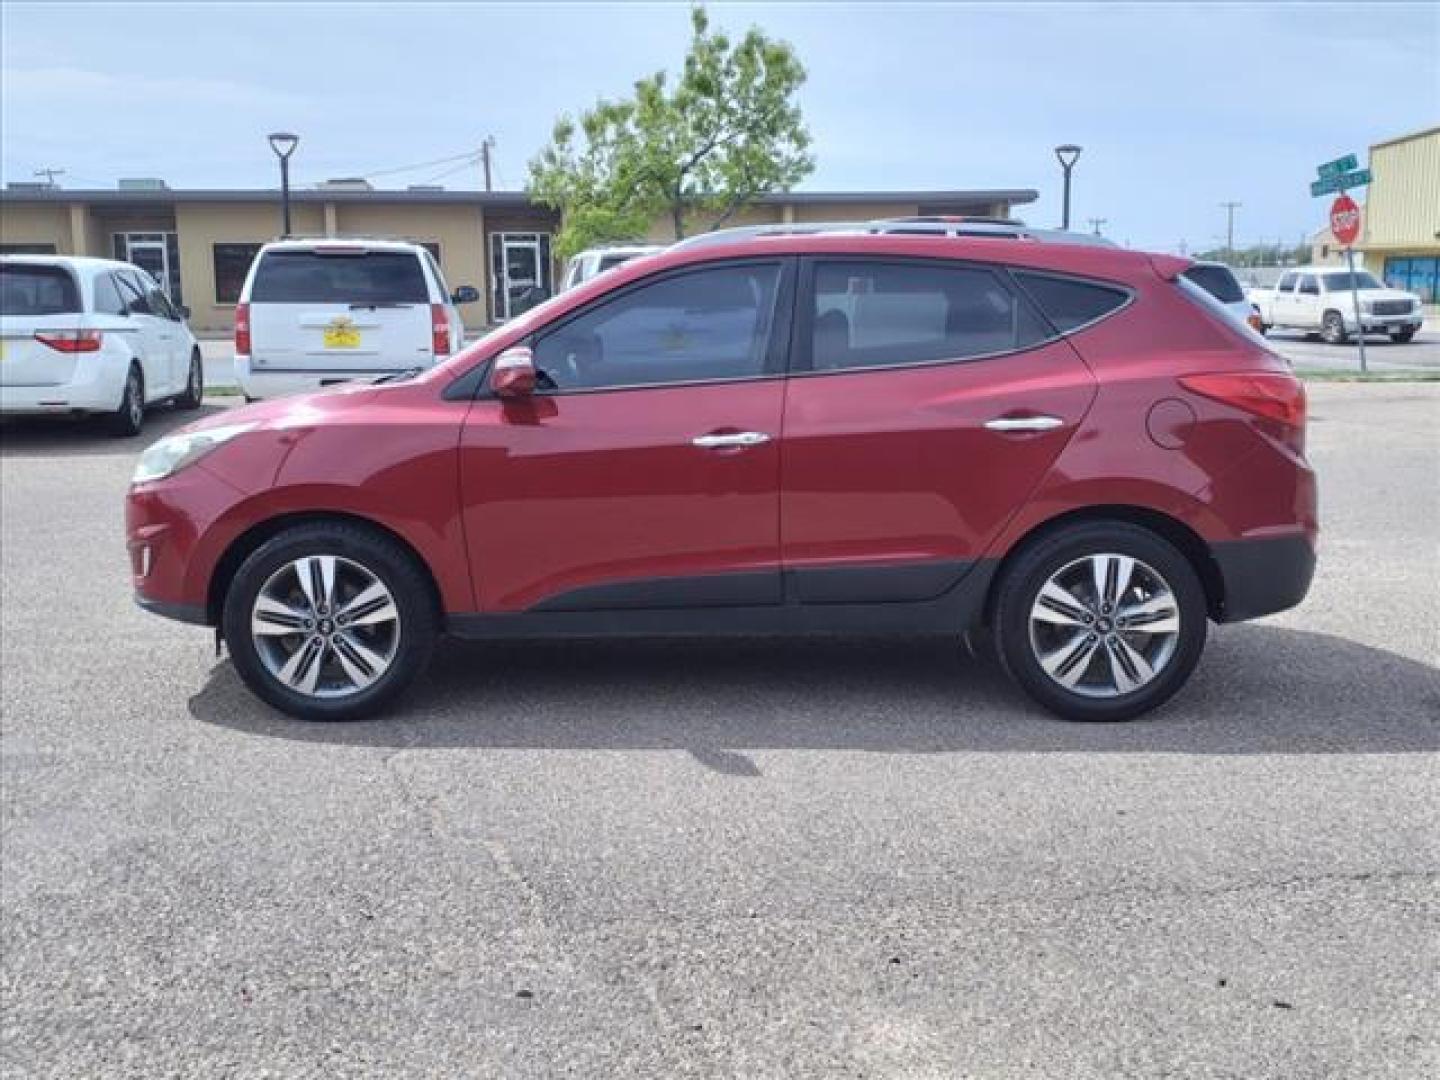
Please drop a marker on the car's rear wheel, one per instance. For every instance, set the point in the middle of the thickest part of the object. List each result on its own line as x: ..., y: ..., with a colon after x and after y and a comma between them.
x: 1100, y: 621
x: 194, y: 384
x: 1401, y: 337
x: 1332, y: 328
x: 330, y: 621
x: 129, y: 418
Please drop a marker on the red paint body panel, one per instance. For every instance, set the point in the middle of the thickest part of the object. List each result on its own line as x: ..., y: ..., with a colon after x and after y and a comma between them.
x: 896, y: 465
x: 583, y: 489
x: 511, y: 503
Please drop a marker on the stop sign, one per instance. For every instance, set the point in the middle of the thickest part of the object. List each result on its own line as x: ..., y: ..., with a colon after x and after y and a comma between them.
x: 1345, y: 220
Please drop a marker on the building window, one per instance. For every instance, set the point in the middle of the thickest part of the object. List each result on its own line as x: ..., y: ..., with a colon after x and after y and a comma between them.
x: 232, y: 263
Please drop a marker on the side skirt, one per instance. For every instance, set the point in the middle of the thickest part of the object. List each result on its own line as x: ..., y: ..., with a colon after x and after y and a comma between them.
x: 953, y: 612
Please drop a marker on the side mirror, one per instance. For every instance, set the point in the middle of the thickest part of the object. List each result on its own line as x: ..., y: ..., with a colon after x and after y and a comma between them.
x: 465, y: 294
x: 512, y: 375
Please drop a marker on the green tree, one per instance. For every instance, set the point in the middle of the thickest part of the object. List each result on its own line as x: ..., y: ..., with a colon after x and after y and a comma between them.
x: 700, y: 146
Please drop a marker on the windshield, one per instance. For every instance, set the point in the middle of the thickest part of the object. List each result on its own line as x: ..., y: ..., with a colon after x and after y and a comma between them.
x: 1346, y: 282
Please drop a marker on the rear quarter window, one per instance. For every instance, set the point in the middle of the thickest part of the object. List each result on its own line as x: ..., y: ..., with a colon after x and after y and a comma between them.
x: 307, y: 277
x: 38, y: 290
x: 1218, y: 281
x: 1068, y: 302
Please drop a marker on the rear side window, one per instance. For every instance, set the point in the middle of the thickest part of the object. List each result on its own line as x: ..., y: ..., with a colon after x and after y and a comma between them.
x: 1218, y: 281
x: 37, y: 290
x: 1069, y: 303
x: 1287, y: 282
x: 1310, y: 285
x: 307, y: 277
x: 869, y: 313
x: 107, y: 296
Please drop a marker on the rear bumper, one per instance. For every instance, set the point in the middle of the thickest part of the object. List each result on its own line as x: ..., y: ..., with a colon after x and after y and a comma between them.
x: 1262, y: 577
x: 97, y: 386
x: 262, y: 384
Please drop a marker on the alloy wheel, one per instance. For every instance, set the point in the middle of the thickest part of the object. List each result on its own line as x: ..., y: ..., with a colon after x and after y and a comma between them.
x: 1104, y: 625
x: 325, y: 626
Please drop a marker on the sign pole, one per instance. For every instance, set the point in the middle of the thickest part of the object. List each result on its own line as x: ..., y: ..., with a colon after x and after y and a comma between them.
x: 1355, y: 297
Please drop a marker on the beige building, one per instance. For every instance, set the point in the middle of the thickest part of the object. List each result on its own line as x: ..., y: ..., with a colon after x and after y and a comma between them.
x: 199, y: 244
x: 1401, y: 230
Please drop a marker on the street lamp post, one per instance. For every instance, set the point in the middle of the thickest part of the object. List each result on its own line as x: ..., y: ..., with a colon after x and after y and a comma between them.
x: 284, y: 143
x: 1067, y: 154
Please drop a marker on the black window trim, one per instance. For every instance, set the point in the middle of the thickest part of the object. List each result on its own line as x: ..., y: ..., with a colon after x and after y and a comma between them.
x: 775, y: 349
x: 801, y: 344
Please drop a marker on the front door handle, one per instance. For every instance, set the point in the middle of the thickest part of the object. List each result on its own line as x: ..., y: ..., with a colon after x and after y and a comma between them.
x: 738, y: 438
x: 1024, y: 423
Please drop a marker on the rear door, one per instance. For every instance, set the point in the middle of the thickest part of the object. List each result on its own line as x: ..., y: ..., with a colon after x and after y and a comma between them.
x: 35, y: 298
x: 927, y: 401
x: 345, y: 309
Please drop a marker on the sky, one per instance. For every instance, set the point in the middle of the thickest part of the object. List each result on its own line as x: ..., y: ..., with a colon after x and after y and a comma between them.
x: 1179, y: 107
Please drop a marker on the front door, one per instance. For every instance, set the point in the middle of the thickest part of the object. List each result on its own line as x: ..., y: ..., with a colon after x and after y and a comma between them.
x: 924, y: 407
x: 150, y: 252
x: 644, y: 472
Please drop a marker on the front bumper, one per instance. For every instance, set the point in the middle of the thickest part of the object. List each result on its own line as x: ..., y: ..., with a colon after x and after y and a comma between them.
x: 1261, y: 577
x: 1386, y: 324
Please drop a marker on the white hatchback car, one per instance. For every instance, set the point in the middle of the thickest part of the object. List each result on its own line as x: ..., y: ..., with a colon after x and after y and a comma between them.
x: 317, y: 312
x: 587, y: 264
x: 80, y: 335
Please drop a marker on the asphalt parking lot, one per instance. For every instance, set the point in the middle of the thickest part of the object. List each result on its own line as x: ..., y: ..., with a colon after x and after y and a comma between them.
x: 749, y: 859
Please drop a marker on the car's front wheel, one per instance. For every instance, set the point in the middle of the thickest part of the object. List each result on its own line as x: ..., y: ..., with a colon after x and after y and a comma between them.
x: 1402, y: 337
x: 1100, y: 621
x: 194, y: 384
x: 330, y: 621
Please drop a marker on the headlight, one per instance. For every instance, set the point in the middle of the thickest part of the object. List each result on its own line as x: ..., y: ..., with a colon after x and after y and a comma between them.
x: 174, y: 452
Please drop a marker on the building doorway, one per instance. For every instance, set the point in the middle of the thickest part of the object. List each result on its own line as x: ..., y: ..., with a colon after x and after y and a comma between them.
x: 519, y: 271
x: 157, y: 253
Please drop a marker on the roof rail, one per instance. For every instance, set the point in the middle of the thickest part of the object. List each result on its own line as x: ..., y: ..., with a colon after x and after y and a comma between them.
x: 995, y: 228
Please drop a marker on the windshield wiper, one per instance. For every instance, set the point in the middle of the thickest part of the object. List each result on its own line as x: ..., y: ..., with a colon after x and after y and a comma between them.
x: 397, y: 376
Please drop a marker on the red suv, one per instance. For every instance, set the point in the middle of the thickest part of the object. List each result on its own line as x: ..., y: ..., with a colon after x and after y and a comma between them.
x: 882, y: 431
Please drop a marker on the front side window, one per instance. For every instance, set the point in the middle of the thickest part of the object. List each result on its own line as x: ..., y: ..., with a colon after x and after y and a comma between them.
x: 699, y: 326
x: 365, y: 277
x: 136, y: 300
x: 37, y: 290
x: 869, y: 313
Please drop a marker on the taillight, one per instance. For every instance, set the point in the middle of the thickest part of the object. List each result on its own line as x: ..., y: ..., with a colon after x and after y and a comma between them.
x: 1272, y: 395
x: 1256, y: 323
x: 242, y: 329
x: 439, y: 330
x: 70, y: 341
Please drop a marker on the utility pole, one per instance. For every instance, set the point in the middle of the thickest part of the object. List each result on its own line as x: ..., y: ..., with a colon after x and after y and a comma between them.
x: 1230, y: 208
x: 485, y: 148
x: 1096, y: 222
x: 50, y: 175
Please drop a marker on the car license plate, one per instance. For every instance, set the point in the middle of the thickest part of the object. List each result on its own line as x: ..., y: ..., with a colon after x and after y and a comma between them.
x: 342, y: 337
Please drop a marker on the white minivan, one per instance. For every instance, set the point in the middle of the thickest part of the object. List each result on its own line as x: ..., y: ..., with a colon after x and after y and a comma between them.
x: 313, y: 313
x: 90, y: 336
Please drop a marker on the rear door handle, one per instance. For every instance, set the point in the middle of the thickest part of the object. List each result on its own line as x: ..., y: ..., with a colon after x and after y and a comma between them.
x: 1024, y: 423
x: 738, y: 438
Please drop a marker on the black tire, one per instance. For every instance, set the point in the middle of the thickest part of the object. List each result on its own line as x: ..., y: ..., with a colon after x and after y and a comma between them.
x: 129, y: 418
x: 382, y: 557
x: 1402, y: 337
x: 194, y: 384
x: 1332, y: 328
x: 1035, y: 565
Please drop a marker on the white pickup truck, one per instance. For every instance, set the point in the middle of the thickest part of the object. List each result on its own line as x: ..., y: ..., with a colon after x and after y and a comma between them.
x: 1318, y: 299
